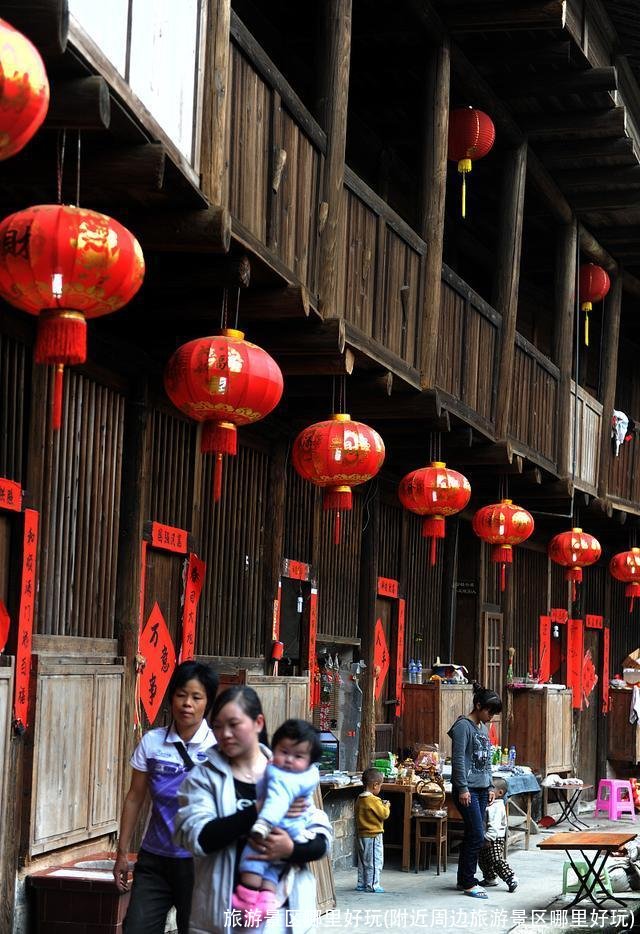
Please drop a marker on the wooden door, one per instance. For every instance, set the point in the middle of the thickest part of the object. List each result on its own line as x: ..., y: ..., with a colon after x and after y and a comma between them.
x: 493, y: 659
x: 591, y: 707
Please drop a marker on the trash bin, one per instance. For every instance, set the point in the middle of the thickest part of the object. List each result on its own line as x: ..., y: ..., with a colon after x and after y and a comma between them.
x: 79, y: 897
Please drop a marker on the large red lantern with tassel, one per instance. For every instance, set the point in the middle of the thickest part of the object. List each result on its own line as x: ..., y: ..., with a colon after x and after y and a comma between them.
x: 574, y: 550
x: 24, y: 91
x: 503, y: 525
x: 223, y: 381
x: 471, y: 136
x: 66, y: 264
x: 435, y: 492
x: 625, y: 567
x: 594, y: 285
x: 336, y: 455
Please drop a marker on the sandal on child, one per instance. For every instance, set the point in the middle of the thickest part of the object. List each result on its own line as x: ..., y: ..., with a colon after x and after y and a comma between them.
x: 475, y: 892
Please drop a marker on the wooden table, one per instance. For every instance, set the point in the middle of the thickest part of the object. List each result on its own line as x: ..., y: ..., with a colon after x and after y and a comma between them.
x: 393, y: 788
x: 568, y: 801
x: 601, y: 845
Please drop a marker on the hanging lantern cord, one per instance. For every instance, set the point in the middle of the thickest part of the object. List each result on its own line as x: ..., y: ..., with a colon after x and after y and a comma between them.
x: 235, y: 323
x: 62, y: 139
x: 78, y: 169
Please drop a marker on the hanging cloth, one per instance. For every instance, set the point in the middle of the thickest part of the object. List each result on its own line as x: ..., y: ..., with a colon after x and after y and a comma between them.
x: 619, y: 425
x: 634, y: 712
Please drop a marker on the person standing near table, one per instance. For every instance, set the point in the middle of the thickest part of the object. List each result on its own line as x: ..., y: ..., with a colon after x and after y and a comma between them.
x: 163, y: 874
x: 472, y: 782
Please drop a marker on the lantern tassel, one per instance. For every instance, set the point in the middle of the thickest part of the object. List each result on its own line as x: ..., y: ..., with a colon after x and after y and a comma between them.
x: 56, y: 402
x: 464, y: 166
x: 217, y: 478
x: 337, y: 499
x: 433, y: 528
x: 502, y: 554
x: 586, y: 328
x: 336, y: 528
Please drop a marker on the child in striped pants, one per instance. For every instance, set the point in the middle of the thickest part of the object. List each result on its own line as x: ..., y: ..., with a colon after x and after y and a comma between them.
x: 371, y: 812
x: 491, y: 858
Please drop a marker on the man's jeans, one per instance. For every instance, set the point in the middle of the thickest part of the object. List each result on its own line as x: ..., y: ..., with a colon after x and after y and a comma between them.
x: 473, y: 840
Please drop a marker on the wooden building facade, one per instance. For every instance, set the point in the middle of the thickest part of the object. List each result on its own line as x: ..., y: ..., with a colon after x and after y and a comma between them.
x: 290, y: 166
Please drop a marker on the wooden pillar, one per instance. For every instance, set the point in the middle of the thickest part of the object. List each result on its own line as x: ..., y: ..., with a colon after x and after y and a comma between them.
x: 333, y: 119
x: 609, y: 371
x: 565, y: 292
x: 432, y: 209
x: 133, y: 507
x: 214, y: 111
x: 367, y: 622
x: 507, y: 278
x: 449, y: 591
x: 274, y: 542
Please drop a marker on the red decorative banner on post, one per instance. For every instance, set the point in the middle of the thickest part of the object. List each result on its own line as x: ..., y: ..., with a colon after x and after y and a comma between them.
x: 194, y: 580
x: 312, y: 664
x: 387, y: 587
x: 559, y: 616
x: 400, y: 657
x: 544, y: 660
x: 156, y: 648
x: 296, y: 570
x: 605, y: 670
x: 5, y: 625
x: 575, y: 653
x: 10, y: 495
x: 169, y: 538
x: 25, y: 620
x: 381, y: 659
x: 592, y: 621
x: 275, y: 619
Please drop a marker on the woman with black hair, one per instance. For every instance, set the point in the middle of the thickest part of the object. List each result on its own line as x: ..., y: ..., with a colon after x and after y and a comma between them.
x: 163, y: 874
x: 219, y: 807
x: 472, y: 781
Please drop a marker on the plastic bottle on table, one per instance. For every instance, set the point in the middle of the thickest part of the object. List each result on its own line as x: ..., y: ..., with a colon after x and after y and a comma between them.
x: 412, y: 671
x: 512, y: 757
x: 419, y: 672
x: 504, y: 758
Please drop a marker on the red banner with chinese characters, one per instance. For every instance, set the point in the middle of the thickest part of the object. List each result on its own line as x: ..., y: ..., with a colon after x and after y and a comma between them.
x: 312, y: 664
x: 5, y: 625
x: 575, y: 652
x: 275, y: 619
x: 169, y: 538
x: 381, y: 659
x: 296, y: 570
x: 559, y: 616
x: 605, y: 670
x: 400, y: 657
x: 387, y: 587
x: 25, y: 619
x: 544, y: 660
x: 592, y: 621
x: 194, y: 580
x: 156, y: 648
x: 10, y: 495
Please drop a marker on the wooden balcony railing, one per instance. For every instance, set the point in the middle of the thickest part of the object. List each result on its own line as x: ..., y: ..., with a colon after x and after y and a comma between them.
x: 534, y: 401
x: 468, y: 348
x: 587, y: 412
x: 624, y: 473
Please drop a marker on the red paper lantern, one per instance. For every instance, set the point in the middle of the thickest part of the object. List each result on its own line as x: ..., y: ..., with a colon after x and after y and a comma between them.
x: 435, y: 491
x: 574, y: 550
x: 503, y: 525
x: 223, y: 381
x: 24, y: 90
x: 471, y: 136
x: 625, y: 567
x: 66, y: 264
x: 594, y: 285
x: 336, y: 455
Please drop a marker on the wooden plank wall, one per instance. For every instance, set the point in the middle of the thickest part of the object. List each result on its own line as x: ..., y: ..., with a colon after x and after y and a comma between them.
x: 529, y: 589
x: 232, y: 537
x: 390, y: 553
x: 80, y: 499
x: 15, y: 371
x: 339, y: 570
x: 301, y: 506
x: 624, y: 470
x: 380, y: 271
x: 589, y: 416
x: 423, y: 589
x: 534, y: 400
x: 467, y: 346
x: 7, y: 792
x: 76, y: 753
x: 171, y: 469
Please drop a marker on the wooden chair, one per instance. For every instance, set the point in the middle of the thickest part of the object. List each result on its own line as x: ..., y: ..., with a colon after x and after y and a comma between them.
x: 431, y: 831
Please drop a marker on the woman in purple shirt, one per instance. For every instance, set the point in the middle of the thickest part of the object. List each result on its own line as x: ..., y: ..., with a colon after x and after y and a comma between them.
x: 163, y: 874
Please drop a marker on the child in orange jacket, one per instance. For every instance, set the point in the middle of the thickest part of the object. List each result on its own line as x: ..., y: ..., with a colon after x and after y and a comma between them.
x: 371, y: 812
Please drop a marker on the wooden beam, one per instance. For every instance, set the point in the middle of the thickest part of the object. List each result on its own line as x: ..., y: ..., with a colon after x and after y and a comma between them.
x: 432, y: 209
x: 507, y: 276
x: 585, y: 202
x: 45, y: 22
x: 609, y: 369
x: 588, y: 125
x: 600, y: 179
x: 335, y: 97
x: 214, y: 106
x: 192, y: 275
x: 595, y: 252
x: 315, y: 364
x: 206, y: 231
x: 499, y: 16
x: 496, y: 56
x: 592, y: 152
x: 82, y: 103
x: 278, y: 304
x: 558, y: 83
x: 565, y: 297
x: 374, y: 353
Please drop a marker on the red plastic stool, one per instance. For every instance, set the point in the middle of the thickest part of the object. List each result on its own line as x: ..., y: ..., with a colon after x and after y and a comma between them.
x: 611, y: 798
